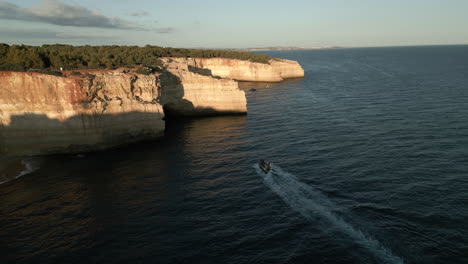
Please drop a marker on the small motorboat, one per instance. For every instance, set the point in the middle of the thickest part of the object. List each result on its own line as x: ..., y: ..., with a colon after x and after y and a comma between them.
x: 265, y: 166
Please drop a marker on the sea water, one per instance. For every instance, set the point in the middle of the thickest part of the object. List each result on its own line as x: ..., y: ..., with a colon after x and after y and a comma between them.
x: 369, y: 154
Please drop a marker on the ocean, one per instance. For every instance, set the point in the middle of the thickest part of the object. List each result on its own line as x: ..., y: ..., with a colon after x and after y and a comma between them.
x: 369, y: 153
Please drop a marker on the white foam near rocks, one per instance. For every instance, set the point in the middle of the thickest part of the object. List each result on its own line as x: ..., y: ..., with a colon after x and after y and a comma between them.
x: 29, y: 165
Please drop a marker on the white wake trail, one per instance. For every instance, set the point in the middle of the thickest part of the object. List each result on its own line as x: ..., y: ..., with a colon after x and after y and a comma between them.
x: 377, y: 69
x: 312, y: 203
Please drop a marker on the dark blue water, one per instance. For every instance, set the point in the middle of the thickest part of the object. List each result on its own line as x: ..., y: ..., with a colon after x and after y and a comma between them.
x: 369, y: 152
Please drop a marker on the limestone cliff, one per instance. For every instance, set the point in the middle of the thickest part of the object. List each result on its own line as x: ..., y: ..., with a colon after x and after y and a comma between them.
x: 274, y: 71
x: 42, y: 113
x: 197, y: 94
x: 45, y: 114
x: 97, y: 109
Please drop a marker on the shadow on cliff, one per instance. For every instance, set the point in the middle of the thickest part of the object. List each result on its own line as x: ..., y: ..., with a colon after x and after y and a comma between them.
x: 201, y: 71
x: 173, y: 102
x: 71, y: 200
x: 35, y: 134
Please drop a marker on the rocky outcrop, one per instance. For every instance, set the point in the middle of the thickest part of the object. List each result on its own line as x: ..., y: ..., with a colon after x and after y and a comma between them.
x: 42, y: 113
x: 46, y: 114
x: 92, y: 110
x: 274, y: 71
x: 186, y: 93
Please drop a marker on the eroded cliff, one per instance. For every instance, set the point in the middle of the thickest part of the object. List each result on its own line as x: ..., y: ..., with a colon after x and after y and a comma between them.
x: 197, y: 93
x: 241, y: 70
x: 42, y: 113
x: 97, y: 109
x: 46, y: 114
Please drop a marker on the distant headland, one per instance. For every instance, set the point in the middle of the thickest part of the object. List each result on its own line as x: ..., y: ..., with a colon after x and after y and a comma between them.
x: 287, y: 48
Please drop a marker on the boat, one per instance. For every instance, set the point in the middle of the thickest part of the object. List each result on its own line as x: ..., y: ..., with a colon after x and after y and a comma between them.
x: 265, y: 166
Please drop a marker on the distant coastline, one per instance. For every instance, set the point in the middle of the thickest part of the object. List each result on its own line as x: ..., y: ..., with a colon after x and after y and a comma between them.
x: 287, y: 48
x: 338, y: 47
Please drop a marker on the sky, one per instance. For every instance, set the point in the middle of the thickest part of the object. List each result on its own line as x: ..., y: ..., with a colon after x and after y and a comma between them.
x: 235, y: 23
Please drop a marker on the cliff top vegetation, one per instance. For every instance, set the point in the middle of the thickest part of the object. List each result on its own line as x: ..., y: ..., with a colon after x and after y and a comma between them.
x: 67, y: 57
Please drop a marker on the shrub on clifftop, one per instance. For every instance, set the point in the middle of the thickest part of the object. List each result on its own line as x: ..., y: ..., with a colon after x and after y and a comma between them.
x: 104, y: 57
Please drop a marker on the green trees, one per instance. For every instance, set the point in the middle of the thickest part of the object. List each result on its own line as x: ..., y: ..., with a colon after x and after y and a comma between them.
x: 17, y: 57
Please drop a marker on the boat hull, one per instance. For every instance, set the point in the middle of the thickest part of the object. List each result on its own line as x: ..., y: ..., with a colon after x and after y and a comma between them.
x: 265, y: 169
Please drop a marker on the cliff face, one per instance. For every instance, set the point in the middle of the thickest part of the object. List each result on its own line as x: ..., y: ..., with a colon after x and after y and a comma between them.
x: 199, y: 93
x: 274, y: 71
x: 47, y: 114
x: 42, y: 113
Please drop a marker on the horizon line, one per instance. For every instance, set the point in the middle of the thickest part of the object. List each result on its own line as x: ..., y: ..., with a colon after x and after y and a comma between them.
x: 264, y: 47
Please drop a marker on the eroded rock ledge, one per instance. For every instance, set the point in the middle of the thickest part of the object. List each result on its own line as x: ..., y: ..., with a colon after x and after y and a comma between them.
x: 240, y: 70
x: 42, y: 114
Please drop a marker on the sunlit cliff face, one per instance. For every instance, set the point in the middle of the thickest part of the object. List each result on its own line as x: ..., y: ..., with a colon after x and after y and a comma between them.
x: 241, y: 70
x: 42, y: 113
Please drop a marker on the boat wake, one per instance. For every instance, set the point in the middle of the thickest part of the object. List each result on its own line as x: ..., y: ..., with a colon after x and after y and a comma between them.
x: 28, y: 165
x: 312, y: 204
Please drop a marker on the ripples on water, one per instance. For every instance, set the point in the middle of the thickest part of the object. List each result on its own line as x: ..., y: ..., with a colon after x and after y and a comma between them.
x: 371, y: 144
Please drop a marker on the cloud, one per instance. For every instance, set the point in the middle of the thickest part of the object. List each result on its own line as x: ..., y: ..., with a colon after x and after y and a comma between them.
x: 47, y: 34
x: 139, y: 14
x: 59, y: 13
